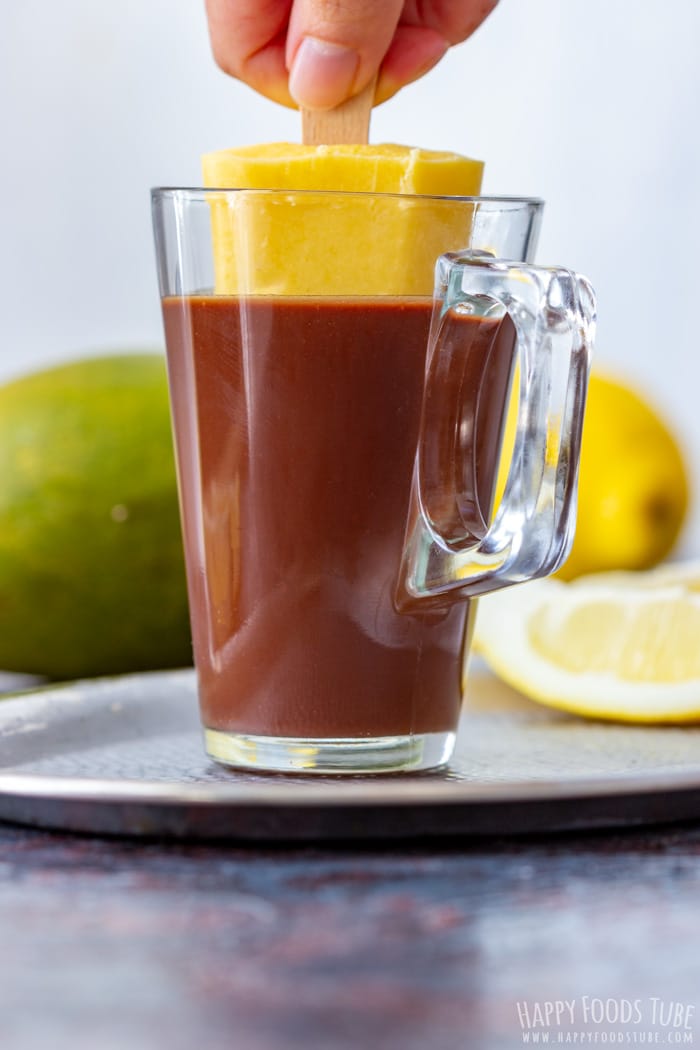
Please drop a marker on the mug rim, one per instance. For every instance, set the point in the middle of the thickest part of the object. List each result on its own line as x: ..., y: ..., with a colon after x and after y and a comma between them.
x: 197, y: 192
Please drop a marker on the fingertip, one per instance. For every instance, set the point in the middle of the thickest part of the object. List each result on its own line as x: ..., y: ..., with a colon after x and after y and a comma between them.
x: 322, y: 74
x: 335, y: 48
x: 266, y: 72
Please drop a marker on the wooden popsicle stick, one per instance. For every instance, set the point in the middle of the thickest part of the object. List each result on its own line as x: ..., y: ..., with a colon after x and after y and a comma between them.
x: 348, y: 122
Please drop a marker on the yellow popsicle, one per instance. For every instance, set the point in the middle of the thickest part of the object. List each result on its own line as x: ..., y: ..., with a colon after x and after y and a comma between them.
x: 317, y: 243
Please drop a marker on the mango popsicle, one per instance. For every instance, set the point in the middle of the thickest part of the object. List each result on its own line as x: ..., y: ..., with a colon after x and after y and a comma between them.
x: 281, y: 243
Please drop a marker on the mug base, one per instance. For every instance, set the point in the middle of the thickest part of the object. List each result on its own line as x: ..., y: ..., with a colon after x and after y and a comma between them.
x: 350, y: 755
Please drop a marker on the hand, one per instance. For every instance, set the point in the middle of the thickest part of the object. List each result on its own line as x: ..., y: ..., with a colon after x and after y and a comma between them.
x: 318, y: 53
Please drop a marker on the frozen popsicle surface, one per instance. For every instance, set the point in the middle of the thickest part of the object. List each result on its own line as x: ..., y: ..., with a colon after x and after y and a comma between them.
x: 269, y: 239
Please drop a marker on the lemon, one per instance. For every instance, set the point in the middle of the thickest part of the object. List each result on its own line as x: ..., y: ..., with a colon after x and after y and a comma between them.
x: 633, y: 486
x: 91, y: 566
x: 619, y: 646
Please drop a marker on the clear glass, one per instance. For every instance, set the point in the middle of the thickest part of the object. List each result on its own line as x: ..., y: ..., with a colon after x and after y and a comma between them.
x: 338, y: 409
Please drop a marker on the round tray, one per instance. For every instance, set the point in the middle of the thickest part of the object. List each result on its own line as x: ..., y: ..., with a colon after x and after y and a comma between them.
x: 124, y: 756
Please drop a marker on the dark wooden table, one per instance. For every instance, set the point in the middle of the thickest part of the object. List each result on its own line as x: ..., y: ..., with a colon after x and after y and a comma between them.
x: 121, y: 945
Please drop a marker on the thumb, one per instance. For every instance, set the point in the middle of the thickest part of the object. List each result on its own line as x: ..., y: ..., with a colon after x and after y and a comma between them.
x: 334, y: 49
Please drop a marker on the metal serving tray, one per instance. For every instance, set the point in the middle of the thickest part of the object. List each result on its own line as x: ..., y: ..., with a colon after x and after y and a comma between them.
x: 124, y: 756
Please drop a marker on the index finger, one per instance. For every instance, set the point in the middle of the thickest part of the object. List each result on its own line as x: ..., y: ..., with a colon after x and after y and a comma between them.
x: 248, y: 42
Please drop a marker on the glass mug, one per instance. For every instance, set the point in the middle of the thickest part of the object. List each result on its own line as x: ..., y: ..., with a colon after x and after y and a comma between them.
x: 338, y: 404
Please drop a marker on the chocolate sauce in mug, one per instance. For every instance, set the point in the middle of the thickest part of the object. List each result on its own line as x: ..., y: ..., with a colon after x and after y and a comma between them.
x: 296, y: 451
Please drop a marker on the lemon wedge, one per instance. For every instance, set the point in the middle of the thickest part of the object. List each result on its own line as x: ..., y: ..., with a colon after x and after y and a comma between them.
x: 684, y: 574
x: 620, y: 646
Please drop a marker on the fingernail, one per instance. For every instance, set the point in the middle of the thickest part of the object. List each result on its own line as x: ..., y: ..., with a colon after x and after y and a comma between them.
x: 322, y: 74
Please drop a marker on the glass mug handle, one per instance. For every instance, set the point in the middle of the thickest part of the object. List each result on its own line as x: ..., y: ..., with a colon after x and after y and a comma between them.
x: 450, y: 551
